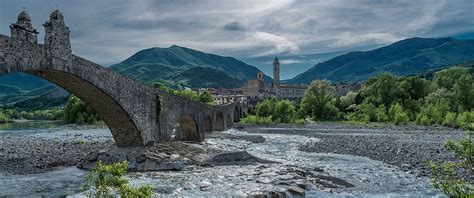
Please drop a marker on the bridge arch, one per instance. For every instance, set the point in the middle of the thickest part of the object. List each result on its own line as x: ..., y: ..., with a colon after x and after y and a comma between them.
x: 186, y: 129
x: 219, y: 125
x: 207, y: 124
x: 228, y: 120
x: 119, y: 122
x: 236, y: 113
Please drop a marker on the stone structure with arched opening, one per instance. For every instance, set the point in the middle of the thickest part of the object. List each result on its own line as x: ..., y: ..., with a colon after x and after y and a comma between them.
x: 135, y: 113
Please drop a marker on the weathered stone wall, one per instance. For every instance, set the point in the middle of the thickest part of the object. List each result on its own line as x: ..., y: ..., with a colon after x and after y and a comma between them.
x: 135, y: 113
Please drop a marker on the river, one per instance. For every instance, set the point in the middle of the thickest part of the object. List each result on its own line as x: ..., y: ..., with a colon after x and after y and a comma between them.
x: 371, y: 178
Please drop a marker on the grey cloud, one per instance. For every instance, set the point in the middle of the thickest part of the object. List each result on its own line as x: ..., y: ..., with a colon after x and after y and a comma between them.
x: 111, y: 30
x: 234, y: 26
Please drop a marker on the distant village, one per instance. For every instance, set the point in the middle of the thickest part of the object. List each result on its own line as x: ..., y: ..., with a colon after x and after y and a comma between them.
x: 257, y: 90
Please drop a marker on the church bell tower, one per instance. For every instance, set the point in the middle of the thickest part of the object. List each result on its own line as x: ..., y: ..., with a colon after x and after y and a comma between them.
x: 276, y: 74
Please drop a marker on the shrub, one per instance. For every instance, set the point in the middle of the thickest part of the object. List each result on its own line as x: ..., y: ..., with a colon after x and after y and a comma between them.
x: 4, y: 118
x: 452, y: 177
x: 105, y: 180
x: 358, y: 117
x: 434, y: 112
x: 465, y: 119
x: 382, y: 114
x: 398, y: 115
x: 253, y: 119
x: 450, y: 119
x: 370, y: 110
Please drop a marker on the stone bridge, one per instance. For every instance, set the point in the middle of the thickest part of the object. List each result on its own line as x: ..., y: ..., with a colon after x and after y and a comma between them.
x: 135, y: 113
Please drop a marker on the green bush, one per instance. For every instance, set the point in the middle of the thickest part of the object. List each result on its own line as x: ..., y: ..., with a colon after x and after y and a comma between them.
x: 398, y: 114
x: 382, y: 114
x: 450, y: 119
x: 106, y: 180
x: 4, y: 118
x: 370, y: 110
x: 253, y: 119
x: 464, y: 119
x: 452, y: 177
x: 358, y: 117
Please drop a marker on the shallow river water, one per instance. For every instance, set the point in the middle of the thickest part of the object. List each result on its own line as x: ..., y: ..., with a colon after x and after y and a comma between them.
x: 371, y: 178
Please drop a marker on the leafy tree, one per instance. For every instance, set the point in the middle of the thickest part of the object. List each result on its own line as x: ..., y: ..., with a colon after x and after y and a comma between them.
x: 317, y: 101
x: 345, y: 103
x: 265, y: 108
x: 383, y: 89
x: 464, y: 92
x: 284, y: 111
x: 447, y: 78
x: 77, y: 111
x: 275, y: 111
x: 416, y: 87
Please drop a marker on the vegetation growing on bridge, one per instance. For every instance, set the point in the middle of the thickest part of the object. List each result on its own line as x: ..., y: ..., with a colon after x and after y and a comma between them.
x: 204, y: 97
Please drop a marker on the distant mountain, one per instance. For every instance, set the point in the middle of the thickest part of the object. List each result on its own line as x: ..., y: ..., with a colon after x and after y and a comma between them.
x: 20, y: 82
x: 409, y: 56
x: 180, y: 66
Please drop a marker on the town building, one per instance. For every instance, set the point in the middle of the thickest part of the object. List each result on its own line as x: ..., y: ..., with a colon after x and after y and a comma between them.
x: 257, y: 90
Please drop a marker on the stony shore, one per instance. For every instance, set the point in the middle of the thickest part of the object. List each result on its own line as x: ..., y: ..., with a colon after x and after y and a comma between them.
x: 407, y: 147
x: 20, y: 155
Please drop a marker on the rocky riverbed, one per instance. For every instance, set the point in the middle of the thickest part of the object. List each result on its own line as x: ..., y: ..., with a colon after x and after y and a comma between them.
x: 246, y: 161
x: 407, y: 147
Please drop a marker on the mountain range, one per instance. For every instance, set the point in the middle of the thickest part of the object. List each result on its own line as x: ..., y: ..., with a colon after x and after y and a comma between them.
x: 409, y: 56
x: 179, y: 67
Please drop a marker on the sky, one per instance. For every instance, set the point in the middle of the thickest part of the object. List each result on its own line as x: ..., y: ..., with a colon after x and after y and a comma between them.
x: 302, y: 33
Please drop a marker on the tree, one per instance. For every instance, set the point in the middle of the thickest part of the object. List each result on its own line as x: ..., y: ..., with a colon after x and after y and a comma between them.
x: 265, y: 108
x: 78, y: 112
x: 317, y: 101
x: 447, y: 78
x: 284, y: 111
x: 415, y: 87
x: 383, y: 89
x: 463, y: 91
x: 206, y: 97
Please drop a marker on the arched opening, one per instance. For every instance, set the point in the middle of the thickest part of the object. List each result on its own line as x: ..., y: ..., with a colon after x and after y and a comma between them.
x: 185, y: 129
x: 236, y: 114
x: 207, y: 124
x: 122, y: 127
x: 229, y: 120
x: 220, y: 122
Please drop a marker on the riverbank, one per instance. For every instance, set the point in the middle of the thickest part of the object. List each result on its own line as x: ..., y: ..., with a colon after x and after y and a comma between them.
x: 406, y: 147
x: 42, y: 147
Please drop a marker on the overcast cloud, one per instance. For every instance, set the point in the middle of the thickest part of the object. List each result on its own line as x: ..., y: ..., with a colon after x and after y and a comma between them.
x: 108, y: 31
